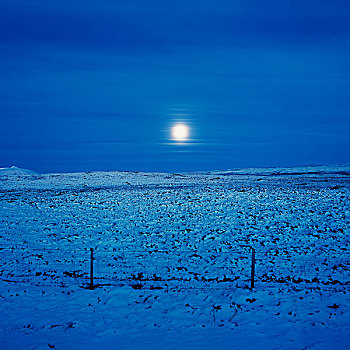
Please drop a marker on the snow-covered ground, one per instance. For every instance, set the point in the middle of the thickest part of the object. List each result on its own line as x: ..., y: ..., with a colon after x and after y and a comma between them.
x: 172, y: 260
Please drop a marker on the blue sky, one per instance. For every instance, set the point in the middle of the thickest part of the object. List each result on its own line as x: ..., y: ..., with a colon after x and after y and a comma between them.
x: 97, y: 85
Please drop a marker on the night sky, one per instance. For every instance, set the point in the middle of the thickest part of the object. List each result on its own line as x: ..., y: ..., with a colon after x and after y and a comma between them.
x: 97, y: 85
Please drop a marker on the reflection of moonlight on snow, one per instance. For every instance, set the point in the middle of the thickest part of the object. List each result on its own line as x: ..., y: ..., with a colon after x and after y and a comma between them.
x: 180, y: 132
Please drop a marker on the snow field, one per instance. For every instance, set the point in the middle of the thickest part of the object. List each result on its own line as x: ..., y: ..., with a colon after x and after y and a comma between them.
x: 170, y: 263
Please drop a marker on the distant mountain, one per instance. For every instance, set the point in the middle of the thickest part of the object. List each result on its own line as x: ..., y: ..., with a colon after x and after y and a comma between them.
x: 311, y: 170
x: 15, y: 171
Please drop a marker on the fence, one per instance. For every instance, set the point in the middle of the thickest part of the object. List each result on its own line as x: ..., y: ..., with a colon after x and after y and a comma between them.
x: 163, y: 269
x: 138, y: 268
x: 160, y: 268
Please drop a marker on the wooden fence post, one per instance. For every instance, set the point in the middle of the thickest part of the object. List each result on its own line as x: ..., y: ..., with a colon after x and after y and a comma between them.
x: 252, y: 277
x: 92, y: 269
x: 252, y: 268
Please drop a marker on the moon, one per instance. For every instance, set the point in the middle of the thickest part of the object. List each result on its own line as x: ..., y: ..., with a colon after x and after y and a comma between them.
x: 180, y: 132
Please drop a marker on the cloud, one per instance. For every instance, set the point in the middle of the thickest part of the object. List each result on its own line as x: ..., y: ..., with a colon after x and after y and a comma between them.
x: 141, y: 27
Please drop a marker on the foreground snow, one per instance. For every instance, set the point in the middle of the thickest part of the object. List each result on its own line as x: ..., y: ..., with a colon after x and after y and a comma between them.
x: 172, y: 265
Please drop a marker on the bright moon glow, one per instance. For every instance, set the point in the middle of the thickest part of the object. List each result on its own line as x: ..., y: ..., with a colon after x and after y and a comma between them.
x: 180, y: 132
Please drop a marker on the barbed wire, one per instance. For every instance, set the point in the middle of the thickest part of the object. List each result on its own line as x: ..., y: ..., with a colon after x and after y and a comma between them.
x: 113, y: 266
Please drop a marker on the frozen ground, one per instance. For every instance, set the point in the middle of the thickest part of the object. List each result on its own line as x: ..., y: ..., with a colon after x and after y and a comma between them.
x: 172, y: 266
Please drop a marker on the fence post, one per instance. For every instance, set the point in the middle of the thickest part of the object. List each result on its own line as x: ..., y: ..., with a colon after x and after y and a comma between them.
x: 252, y: 277
x: 92, y: 268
